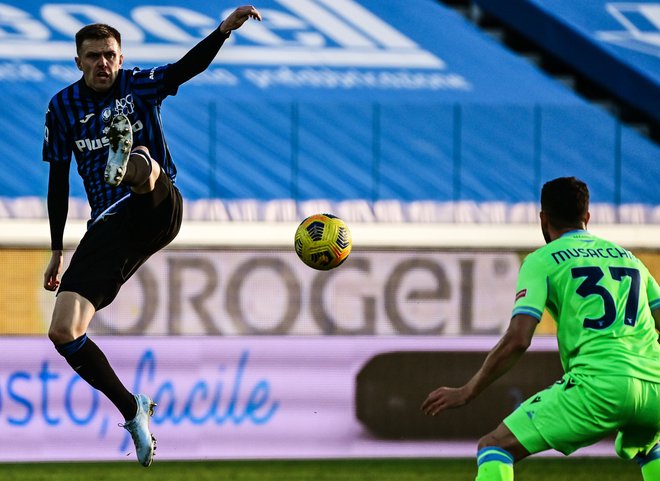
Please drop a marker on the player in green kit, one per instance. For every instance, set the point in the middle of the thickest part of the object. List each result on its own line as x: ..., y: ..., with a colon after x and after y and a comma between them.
x: 607, y: 309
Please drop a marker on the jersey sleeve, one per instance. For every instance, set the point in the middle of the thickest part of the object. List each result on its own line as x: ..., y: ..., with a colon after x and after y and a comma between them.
x: 56, y: 146
x: 531, y: 288
x: 150, y: 85
x: 652, y: 291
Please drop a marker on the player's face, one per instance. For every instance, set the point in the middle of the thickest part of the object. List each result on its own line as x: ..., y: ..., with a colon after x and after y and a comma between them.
x: 100, y: 61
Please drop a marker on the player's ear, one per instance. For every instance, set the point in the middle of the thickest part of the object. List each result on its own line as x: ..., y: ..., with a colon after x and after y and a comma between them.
x: 121, y: 60
x: 586, y: 218
x: 78, y: 63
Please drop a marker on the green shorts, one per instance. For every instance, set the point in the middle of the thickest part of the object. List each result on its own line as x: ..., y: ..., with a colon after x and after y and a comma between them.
x: 580, y: 410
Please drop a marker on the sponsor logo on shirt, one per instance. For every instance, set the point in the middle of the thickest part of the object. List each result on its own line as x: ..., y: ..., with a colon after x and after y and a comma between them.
x: 124, y: 105
x: 86, y: 118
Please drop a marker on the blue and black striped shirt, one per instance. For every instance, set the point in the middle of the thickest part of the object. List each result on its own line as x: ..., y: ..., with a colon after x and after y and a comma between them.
x: 78, y: 119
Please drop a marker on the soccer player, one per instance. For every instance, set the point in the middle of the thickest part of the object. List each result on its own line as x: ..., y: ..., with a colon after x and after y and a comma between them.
x: 607, y: 309
x: 110, y: 119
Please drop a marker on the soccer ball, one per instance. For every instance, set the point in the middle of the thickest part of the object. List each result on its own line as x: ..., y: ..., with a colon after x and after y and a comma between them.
x: 323, y: 241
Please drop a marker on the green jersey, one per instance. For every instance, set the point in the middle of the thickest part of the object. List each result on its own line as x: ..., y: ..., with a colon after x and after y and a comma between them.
x: 601, y: 297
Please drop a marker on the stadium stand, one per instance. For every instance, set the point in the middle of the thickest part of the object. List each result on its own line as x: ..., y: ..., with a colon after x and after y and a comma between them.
x: 383, y: 118
x: 606, y: 51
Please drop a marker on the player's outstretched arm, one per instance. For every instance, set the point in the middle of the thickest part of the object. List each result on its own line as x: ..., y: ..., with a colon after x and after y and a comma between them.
x: 201, y: 55
x: 500, y: 359
x: 238, y: 17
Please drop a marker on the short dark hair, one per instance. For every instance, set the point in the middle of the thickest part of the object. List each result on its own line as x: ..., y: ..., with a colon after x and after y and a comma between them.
x: 565, y: 201
x: 96, y: 31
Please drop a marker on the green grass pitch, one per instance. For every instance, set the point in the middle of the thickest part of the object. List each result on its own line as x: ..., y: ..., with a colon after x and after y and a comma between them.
x: 539, y: 469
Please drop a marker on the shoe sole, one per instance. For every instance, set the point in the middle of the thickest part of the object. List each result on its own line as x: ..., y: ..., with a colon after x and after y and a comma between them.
x: 120, y: 136
x: 152, y: 405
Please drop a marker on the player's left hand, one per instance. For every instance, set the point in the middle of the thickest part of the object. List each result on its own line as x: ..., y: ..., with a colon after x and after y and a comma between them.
x: 445, y: 398
x: 238, y: 17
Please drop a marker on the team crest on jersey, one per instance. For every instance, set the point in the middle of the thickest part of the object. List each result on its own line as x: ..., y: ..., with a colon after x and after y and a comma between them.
x: 521, y: 293
x: 106, y: 115
x: 124, y: 105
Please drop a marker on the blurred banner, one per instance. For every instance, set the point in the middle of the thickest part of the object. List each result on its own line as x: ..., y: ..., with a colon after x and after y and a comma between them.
x: 263, y: 397
x: 23, y: 307
x: 232, y: 292
x: 323, y: 102
x: 263, y: 292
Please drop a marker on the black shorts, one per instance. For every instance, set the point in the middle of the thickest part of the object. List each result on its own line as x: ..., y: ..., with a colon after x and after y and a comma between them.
x: 118, y: 244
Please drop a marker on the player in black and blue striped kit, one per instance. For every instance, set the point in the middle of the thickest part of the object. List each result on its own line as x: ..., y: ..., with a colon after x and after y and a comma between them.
x: 110, y: 120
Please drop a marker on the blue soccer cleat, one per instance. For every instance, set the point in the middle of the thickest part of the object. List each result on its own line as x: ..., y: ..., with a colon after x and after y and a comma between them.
x: 138, y: 427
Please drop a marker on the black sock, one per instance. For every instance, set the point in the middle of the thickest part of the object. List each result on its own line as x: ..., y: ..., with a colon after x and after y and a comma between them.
x: 91, y: 364
x: 138, y: 169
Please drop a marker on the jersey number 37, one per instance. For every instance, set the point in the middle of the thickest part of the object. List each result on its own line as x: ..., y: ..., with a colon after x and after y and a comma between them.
x: 590, y: 287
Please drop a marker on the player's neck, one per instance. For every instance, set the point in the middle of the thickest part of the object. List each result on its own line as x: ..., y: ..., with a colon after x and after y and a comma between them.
x: 557, y: 233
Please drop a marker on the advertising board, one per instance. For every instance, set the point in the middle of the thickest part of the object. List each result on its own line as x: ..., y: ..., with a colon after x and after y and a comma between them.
x: 259, y: 397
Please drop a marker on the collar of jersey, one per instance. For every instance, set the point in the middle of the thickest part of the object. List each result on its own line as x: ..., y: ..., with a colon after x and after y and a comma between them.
x: 574, y: 232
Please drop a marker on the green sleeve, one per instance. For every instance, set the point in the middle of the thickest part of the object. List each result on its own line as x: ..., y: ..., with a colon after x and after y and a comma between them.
x: 652, y: 291
x: 531, y: 289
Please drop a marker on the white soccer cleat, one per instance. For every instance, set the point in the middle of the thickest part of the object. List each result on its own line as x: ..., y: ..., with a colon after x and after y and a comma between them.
x: 138, y: 427
x: 120, y: 136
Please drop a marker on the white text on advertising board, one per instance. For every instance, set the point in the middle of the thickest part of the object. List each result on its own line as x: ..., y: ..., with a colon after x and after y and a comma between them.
x: 332, y: 33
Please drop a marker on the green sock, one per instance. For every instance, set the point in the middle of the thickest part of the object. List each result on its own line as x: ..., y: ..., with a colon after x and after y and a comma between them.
x: 650, y: 464
x: 495, y: 464
x: 651, y: 471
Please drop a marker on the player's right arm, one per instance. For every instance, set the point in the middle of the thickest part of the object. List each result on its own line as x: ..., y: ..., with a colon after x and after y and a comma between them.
x: 530, y: 300
x: 499, y: 361
x: 57, y: 153
x: 58, y: 207
x: 653, y: 296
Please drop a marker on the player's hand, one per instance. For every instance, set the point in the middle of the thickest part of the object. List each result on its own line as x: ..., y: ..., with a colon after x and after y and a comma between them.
x: 53, y: 271
x: 238, y: 17
x: 445, y: 398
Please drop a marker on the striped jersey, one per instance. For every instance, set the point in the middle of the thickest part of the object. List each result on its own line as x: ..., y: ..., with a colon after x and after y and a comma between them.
x: 78, y: 119
x: 601, y: 297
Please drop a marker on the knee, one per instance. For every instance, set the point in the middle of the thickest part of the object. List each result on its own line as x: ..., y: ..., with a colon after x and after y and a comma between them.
x: 503, y: 439
x: 141, y: 149
x: 489, y: 440
x: 155, y: 172
x: 154, y: 167
x: 60, y: 335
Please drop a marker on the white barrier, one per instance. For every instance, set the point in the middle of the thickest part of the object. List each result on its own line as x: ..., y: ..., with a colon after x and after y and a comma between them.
x: 198, y: 234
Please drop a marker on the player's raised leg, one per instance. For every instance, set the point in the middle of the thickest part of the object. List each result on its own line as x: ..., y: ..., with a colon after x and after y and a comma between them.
x: 129, y: 166
x: 120, y: 135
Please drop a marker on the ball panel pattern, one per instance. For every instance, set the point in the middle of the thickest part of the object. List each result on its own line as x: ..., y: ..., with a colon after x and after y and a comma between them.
x: 323, y: 241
